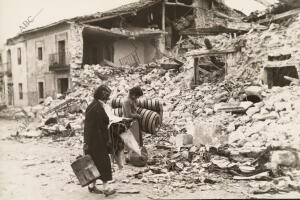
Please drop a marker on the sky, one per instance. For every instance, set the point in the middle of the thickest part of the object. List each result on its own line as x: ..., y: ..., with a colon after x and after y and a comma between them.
x: 16, y: 15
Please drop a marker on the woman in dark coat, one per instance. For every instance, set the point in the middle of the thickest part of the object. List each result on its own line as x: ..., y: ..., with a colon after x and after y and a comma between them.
x: 96, y: 138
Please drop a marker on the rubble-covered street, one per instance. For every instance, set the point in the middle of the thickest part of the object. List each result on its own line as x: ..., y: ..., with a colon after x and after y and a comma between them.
x: 43, y: 172
x: 225, y: 117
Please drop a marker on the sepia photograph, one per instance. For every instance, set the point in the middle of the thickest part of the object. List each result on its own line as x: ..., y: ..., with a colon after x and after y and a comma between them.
x: 149, y: 99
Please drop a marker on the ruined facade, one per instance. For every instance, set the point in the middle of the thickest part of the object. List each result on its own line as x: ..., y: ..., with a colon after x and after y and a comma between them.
x: 40, y: 63
x: 6, y: 88
x: 42, y: 59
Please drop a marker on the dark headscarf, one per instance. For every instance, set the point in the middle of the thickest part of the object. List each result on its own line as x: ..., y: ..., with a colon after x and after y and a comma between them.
x: 102, y: 93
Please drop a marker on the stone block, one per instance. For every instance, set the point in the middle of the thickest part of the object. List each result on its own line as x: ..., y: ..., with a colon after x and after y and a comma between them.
x: 183, y: 139
x: 285, y: 158
x: 206, y: 134
x: 251, y: 111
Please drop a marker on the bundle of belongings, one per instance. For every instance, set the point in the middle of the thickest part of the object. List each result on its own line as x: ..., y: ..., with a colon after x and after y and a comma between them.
x: 122, y: 130
x: 120, y: 135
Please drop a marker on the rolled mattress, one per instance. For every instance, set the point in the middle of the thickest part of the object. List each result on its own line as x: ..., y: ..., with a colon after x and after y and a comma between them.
x: 150, y: 120
x: 153, y: 105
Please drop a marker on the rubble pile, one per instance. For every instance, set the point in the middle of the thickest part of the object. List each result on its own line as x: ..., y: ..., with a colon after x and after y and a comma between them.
x: 256, y: 46
x: 272, y: 122
x: 277, y: 40
x: 249, y: 133
x: 182, y: 104
x: 192, y: 167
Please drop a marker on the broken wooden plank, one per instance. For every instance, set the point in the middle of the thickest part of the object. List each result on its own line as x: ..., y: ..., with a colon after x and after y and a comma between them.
x: 196, y: 61
x: 231, y: 109
x: 59, y: 107
x: 210, y: 64
x: 128, y: 191
x: 280, y: 16
x: 179, y: 4
x: 204, y: 71
x: 228, y: 107
x: 279, y: 57
x: 263, y: 2
x: 109, y: 63
x: 224, y: 16
x: 163, y: 16
x: 261, y: 176
x: 168, y: 66
x: 294, y: 81
x: 174, y: 59
x: 212, y: 52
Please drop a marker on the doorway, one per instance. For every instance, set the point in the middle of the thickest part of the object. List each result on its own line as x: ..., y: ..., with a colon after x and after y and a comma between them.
x: 41, y: 90
x: 10, y: 91
x: 8, y: 57
x: 63, y: 85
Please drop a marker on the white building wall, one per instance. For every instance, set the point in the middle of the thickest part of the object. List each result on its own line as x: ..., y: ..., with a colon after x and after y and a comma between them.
x: 19, y: 74
x: 38, y: 70
x: 146, y: 51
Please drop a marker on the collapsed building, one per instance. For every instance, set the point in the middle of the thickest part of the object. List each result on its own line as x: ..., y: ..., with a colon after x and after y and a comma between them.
x: 41, y: 60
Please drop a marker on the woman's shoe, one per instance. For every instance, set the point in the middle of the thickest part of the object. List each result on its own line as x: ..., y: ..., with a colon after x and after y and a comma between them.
x: 95, y: 190
x: 109, y: 192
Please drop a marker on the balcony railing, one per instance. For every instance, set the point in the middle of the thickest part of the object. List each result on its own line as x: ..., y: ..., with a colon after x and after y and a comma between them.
x: 59, y: 61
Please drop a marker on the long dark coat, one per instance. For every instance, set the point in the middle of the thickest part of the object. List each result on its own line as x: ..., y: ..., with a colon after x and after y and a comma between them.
x: 96, y: 137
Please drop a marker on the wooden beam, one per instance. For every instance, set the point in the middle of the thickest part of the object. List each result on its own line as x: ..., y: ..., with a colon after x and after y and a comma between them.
x: 213, y: 53
x: 196, y: 60
x: 210, y: 64
x: 106, y: 17
x: 179, y: 4
x: 163, y: 16
x: 280, y: 16
x: 293, y: 80
x: 263, y: 2
x: 221, y: 15
x: 204, y: 71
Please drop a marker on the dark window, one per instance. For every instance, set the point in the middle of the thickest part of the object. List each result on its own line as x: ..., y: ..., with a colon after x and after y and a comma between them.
x: 63, y: 85
x: 40, y: 53
x: 19, y: 56
x: 41, y: 90
x: 61, y: 52
x: 20, y: 91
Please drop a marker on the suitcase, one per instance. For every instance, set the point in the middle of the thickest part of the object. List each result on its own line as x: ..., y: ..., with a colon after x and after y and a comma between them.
x: 85, y: 170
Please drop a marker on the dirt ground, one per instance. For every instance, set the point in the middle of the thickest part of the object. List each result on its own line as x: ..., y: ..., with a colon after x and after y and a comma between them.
x: 39, y: 168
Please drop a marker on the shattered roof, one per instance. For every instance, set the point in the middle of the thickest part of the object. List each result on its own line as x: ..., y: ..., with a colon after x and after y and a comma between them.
x: 274, y: 9
x: 64, y: 21
x: 121, y: 10
x: 292, y: 3
x: 128, y: 8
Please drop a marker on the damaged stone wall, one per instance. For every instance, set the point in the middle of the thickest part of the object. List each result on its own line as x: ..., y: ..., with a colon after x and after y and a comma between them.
x: 76, y: 45
x: 209, y: 14
x: 75, y: 49
x: 146, y: 49
x: 38, y: 70
x: 201, y: 12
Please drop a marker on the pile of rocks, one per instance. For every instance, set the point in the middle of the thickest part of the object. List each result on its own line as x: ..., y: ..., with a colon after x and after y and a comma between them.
x: 272, y: 122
